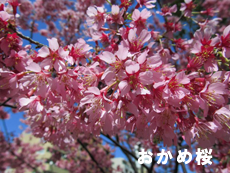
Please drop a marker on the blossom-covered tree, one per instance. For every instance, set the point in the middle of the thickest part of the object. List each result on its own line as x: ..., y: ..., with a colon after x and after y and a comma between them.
x: 140, y: 73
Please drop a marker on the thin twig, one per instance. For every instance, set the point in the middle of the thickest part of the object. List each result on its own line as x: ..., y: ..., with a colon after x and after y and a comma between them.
x: 10, y: 106
x: 6, y: 105
x: 32, y: 29
x: 5, y: 101
x: 109, y: 2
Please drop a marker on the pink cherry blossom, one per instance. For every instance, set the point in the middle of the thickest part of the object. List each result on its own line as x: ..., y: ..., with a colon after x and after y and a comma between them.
x: 147, y: 3
x: 167, y: 11
x: 96, y: 17
x: 139, y: 19
x: 187, y: 7
x: 225, y: 42
x: 54, y: 56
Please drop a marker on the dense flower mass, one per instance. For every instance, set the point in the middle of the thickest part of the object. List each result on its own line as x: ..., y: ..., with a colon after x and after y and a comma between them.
x: 129, y: 72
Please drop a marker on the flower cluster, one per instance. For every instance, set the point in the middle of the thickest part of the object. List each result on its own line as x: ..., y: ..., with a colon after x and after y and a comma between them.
x: 134, y: 77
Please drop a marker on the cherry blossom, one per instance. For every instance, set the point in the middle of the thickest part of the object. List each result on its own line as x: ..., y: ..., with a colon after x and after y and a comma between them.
x: 112, y: 68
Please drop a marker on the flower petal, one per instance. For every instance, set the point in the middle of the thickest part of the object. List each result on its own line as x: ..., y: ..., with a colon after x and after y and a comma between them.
x: 53, y: 44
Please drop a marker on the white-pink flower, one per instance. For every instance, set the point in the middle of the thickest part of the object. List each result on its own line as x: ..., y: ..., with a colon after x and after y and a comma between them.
x: 147, y: 3
x: 139, y: 19
x: 55, y: 56
x: 96, y: 17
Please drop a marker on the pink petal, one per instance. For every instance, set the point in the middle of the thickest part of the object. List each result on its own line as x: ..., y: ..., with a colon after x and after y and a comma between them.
x: 132, y: 34
x: 187, y: 1
x: 33, y: 67
x: 91, y: 11
x: 182, y: 78
x: 109, y: 73
x: 53, y: 44
x: 181, y: 92
x: 132, y: 68
x: 189, y: 135
x: 39, y: 107
x: 141, y: 59
x: 87, y: 99
x: 124, y: 87
x: 132, y: 108
x: 24, y: 101
x: 60, y: 66
x: 107, y: 57
x: 62, y: 53
x: 218, y: 88
x: 211, y: 66
x: 144, y: 36
x: 142, y: 91
x: 173, y: 9
x: 136, y: 14
x: 4, y: 15
x: 115, y: 9
x: 204, y: 106
x: 43, y: 52
x: 226, y: 31
x: 46, y: 64
x: 93, y: 90
x: 146, y: 78
x: 145, y: 14
x: 226, y: 52
x: 122, y: 52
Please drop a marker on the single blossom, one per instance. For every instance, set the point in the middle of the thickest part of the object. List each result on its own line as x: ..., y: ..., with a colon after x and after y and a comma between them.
x: 54, y: 56
x: 147, y: 3
x: 139, y: 19
x: 225, y: 42
x: 96, y: 17
x: 187, y: 7
x: 167, y: 11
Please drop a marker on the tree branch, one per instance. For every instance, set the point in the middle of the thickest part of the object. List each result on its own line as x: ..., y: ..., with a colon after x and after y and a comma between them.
x: 182, y: 164
x: 152, y: 164
x: 177, y: 164
x: 122, y: 148
x: 131, y: 162
x: 91, y: 156
x: 10, y: 106
x: 6, y: 105
x: 39, y: 45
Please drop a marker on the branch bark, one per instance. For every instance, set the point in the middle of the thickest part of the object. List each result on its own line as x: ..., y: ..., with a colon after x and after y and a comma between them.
x: 124, y: 149
x: 91, y: 156
x: 39, y: 45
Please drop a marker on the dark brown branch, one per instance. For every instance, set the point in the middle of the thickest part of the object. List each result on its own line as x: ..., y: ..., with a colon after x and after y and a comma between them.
x: 39, y: 45
x: 176, y: 164
x: 10, y: 106
x: 5, y: 101
x: 183, y: 167
x: 182, y: 164
x: 91, y: 156
x: 123, y: 148
x: 152, y: 164
x: 131, y: 162
x: 6, y: 105
x: 32, y: 29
